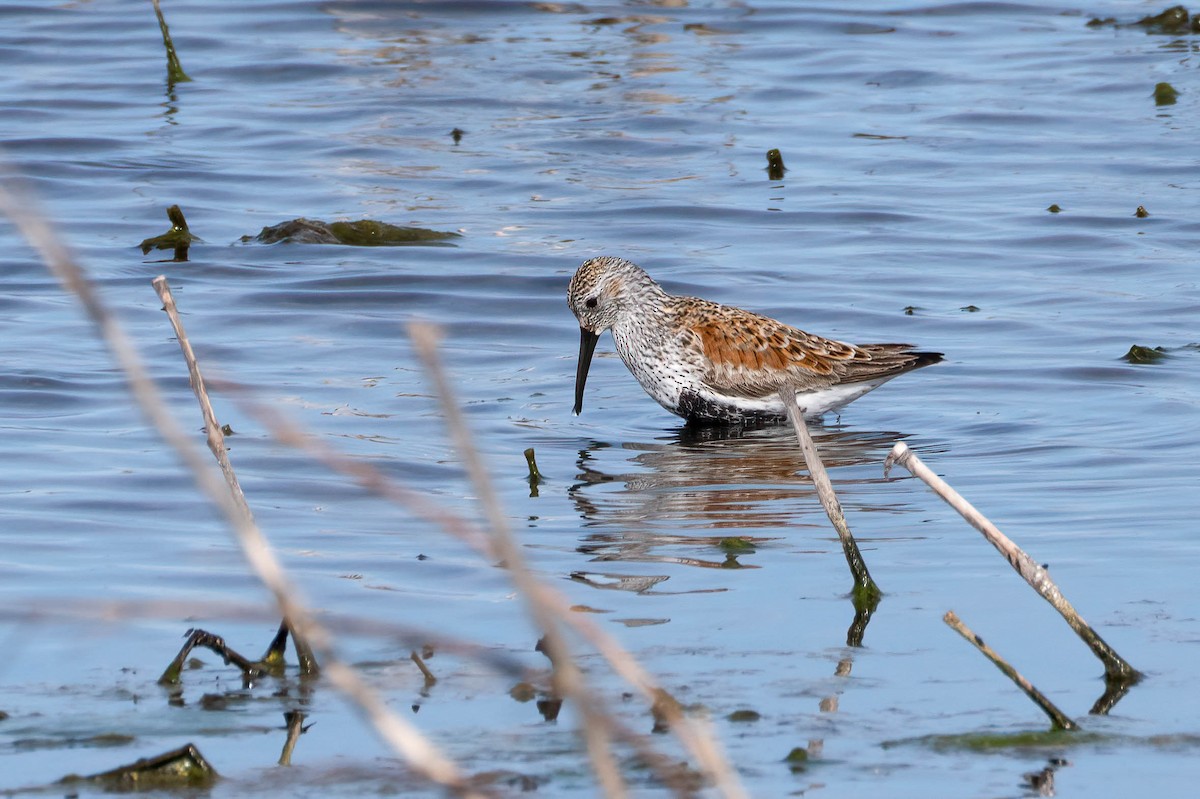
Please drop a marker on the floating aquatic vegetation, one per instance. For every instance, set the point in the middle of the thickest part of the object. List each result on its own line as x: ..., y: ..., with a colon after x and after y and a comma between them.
x: 179, y: 768
x: 1140, y: 354
x: 178, y: 238
x: 775, y: 167
x: 175, y: 73
x: 535, y: 476
x: 1172, y: 21
x: 1165, y: 94
x: 363, y: 233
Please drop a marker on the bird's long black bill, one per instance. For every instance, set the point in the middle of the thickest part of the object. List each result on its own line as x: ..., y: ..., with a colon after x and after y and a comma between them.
x: 587, y: 346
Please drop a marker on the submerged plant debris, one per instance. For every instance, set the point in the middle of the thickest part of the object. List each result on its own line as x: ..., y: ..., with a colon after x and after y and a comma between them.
x: 1165, y: 94
x: 1173, y: 21
x: 1140, y: 354
x: 178, y: 238
x: 1001, y: 741
x: 775, y: 167
x: 180, y: 768
x: 363, y: 233
x: 175, y: 73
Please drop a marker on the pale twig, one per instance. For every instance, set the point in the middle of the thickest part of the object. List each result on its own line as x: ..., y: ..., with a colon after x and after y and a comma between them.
x: 863, y: 583
x: 549, y: 609
x: 425, y: 672
x: 569, y: 682
x: 216, y: 444
x: 1115, y: 668
x: 295, y: 728
x: 695, y: 736
x: 404, y: 739
x: 1059, y: 719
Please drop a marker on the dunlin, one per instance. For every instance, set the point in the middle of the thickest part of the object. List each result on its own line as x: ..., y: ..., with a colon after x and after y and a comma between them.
x: 711, y: 363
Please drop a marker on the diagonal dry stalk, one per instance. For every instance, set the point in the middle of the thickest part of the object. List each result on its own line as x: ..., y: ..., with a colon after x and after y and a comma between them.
x: 216, y: 444
x: 864, y: 587
x: 422, y: 755
x: 1116, y: 669
x: 695, y: 736
x: 549, y: 609
x: 568, y: 681
x: 1059, y: 719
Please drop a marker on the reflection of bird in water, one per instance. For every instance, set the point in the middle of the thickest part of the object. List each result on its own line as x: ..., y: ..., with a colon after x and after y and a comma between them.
x: 719, y: 492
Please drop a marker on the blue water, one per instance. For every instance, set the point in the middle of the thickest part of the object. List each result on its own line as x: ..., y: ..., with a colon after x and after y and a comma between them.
x: 924, y: 144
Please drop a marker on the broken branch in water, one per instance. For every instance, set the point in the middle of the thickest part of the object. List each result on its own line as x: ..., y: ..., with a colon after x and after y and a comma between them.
x: 216, y: 444
x: 295, y: 728
x: 403, y: 737
x: 36, y: 228
x: 1116, y: 669
x: 1059, y: 719
x: 866, y: 592
x: 695, y: 736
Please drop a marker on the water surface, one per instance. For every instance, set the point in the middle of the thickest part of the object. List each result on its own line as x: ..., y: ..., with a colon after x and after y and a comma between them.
x: 924, y: 144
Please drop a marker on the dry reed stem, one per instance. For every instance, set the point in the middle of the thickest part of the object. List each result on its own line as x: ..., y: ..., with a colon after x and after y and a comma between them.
x: 549, y: 607
x: 696, y: 736
x: 1057, y: 717
x: 405, y: 740
x: 425, y: 672
x: 1115, y: 668
x: 295, y: 728
x: 216, y: 444
x: 567, y: 679
x: 825, y: 492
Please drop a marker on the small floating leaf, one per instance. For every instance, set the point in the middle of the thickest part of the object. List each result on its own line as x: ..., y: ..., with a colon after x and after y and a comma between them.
x: 1140, y: 354
x: 735, y: 544
x: 742, y: 716
x: 1055, y: 208
x: 183, y: 767
x: 970, y: 308
x: 775, y: 167
x: 178, y: 238
x: 1173, y: 20
x: 1165, y: 94
x: 523, y: 692
x: 797, y: 759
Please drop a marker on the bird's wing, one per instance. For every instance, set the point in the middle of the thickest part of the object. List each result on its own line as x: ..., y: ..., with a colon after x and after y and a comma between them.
x: 751, y: 355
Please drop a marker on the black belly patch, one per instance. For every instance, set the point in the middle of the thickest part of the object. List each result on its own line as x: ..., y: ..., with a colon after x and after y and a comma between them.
x: 698, y: 410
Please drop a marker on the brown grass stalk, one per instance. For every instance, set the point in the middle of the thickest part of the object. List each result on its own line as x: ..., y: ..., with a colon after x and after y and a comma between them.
x: 216, y: 444
x: 1059, y: 719
x: 694, y: 735
x: 1116, y: 669
x: 422, y: 755
x: 550, y: 610
x: 863, y: 584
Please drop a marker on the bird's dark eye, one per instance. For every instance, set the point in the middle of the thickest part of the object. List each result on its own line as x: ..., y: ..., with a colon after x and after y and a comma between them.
x: 591, y: 302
